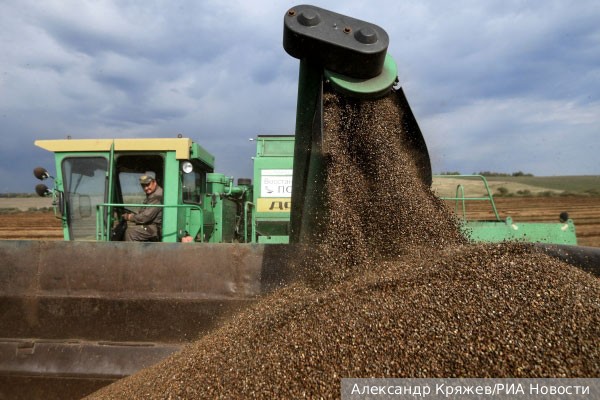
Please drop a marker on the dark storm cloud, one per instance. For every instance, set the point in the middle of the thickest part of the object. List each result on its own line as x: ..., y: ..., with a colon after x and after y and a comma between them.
x: 494, y: 85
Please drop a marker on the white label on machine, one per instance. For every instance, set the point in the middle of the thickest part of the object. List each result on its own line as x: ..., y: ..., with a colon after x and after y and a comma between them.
x: 276, y: 183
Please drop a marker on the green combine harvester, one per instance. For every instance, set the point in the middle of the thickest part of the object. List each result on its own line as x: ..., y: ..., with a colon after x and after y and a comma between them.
x: 97, y: 182
x: 80, y: 313
x: 208, y: 206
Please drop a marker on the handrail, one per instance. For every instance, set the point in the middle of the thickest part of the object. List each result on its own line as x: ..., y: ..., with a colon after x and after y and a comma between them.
x: 253, y: 216
x: 108, y: 217
x: 102, y: 233
x: 462, y: 198
x: 464, y: 206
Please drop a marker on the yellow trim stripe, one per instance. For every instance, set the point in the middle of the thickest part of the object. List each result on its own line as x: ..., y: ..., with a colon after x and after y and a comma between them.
x: 181, y: 146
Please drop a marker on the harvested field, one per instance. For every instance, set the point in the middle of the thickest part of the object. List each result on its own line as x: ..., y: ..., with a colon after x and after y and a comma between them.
x: 25, y: 203
x: 31, y: 225
x: 389, y: 294
x: 584, y: 210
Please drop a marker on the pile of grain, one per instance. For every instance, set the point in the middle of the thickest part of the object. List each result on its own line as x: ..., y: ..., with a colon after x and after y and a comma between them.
x: 392, y: 292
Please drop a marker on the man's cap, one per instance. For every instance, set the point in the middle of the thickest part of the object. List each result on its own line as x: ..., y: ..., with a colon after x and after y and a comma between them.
x: 146, y: 179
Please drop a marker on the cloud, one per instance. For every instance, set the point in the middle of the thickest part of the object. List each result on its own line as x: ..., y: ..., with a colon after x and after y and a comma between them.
x: 547, y: 137
x: 478, y: 75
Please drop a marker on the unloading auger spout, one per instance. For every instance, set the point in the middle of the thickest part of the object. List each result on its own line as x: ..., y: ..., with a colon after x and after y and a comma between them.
x: 348, y: 56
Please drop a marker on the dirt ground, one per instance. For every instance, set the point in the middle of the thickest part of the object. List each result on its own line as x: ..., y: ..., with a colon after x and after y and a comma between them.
x: 31, y: 225
x: 585, y: 212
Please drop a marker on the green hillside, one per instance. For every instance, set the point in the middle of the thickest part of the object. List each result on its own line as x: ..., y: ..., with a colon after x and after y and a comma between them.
x: 520, y: 185
x: 586, y: 184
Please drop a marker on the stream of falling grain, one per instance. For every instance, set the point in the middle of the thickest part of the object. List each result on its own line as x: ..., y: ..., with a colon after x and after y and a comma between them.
x: 392, y: 290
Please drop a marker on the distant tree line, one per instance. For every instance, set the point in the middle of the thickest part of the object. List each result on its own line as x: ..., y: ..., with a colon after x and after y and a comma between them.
x: 450, y: 173
x: 19, y: 195
x: 489, y: 173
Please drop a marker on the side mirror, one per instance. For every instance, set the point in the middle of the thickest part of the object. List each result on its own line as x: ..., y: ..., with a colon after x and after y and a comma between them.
x: 58, y: 197
x: 42, y: 190
x: 41, y: 173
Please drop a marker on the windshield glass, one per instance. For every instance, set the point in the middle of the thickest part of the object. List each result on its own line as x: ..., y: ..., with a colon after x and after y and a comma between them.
x: 84, y: 183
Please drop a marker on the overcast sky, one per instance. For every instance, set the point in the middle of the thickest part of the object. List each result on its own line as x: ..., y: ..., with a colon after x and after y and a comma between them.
x: 501, y: 85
